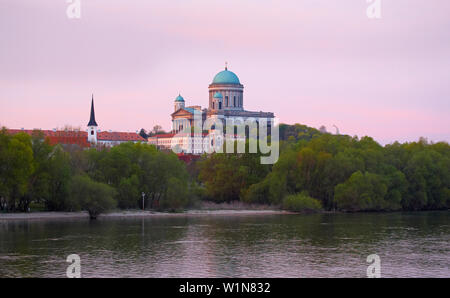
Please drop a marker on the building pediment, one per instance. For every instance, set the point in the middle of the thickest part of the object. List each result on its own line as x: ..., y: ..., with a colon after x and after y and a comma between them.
x: 182, y: 113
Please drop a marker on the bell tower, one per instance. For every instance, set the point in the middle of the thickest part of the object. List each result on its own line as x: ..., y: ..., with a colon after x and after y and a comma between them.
x: 92, y: 125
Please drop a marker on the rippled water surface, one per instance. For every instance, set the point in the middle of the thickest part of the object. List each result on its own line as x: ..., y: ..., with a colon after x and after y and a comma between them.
x: 320, y: 245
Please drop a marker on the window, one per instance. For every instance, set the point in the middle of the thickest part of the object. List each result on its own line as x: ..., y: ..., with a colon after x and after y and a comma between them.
x: 234, y: 100
x: 226, y: 101
x: 92, y: 132
x: 220, y: 105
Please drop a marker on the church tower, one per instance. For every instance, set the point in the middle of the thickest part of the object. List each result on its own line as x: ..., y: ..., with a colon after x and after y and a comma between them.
x: 179, y: 103
x: 92, y: 125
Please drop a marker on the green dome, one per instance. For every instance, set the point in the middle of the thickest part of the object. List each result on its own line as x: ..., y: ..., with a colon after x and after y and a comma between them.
x: 179, y: 99
x: 226, y: 77
x: 218, y: 95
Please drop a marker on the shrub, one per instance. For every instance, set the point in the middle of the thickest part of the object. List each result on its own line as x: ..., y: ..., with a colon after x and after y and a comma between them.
x: 301, y: 202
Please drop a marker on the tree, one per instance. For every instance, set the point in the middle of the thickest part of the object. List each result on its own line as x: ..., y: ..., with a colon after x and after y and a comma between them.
x: 362, y: 191
x: 128, y: 193
x: 176, y: 196
x: 38, y: 186
x: 94, y: 197
x: 227, y: 176
x: 157, y: 129
x: 16, y: 167
x: 59, y: 174
x: 135, y: 168
x: 143, y: 133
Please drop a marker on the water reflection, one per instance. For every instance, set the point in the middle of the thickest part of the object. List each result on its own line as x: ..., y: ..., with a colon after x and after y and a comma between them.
x: 319, y: 245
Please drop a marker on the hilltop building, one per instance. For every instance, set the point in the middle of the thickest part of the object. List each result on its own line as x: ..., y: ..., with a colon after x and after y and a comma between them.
x: 226, y: 101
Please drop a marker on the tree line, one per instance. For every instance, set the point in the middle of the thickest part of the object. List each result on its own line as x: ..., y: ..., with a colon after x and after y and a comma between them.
x: 318, y: 170
x: 315, y: 171
x: 36, y: 175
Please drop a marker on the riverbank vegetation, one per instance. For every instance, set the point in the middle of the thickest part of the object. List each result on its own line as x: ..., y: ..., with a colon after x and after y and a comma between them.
x: 315, y: 171
x: 56, y: 178
x: 301, y: 202
x: 341, y: 172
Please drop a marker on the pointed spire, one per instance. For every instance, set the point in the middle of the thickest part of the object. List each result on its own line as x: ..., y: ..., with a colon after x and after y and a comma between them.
x: 92, y: 119
x: 226, y: 65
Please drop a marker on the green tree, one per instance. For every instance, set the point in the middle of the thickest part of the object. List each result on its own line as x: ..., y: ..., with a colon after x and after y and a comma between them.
x: 59, y: 173
x: 176, y: 197
x: 228, y: 176
x: 16, y: 167
x: 38, y: 186
x: 94, y: 197
x: 362, y: 191
x: 135, y: 168
x: 128, y: 193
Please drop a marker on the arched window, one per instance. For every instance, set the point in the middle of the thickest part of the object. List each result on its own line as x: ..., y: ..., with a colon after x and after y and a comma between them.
x: 234, y: 101
x: 92, y: 132
x: 220, y: 105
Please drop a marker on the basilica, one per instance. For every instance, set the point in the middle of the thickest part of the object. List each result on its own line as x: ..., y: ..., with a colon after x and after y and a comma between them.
x: 226, y: 100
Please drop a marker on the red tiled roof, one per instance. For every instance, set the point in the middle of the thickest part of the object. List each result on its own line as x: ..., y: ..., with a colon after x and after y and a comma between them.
x: 51, y: 133
x: 119, y: 136
x: 59, y: 137
x: 80, y: 140
x: 163, y: 135
x: 64, y: 136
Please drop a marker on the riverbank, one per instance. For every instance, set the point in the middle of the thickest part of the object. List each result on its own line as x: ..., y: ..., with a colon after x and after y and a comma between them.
x: 133, y: 213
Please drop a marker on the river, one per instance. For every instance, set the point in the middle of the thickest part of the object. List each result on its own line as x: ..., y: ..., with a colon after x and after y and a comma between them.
x: 414, y: 244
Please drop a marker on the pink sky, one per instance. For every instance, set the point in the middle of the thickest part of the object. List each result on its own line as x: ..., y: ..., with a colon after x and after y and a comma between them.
x: 315, y: 62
